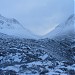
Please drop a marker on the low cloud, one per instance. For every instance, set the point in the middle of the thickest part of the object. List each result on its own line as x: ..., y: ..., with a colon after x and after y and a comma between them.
x: 40, y: 16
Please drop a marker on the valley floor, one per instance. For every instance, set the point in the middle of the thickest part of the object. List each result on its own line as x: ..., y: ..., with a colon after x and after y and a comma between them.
x: 25, y: 58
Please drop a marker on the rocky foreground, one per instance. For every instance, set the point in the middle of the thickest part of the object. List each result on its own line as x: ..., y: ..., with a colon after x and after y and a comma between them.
x: 32, y: 57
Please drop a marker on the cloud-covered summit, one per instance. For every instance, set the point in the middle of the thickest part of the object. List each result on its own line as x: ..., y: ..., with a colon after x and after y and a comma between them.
x: 40, y: 16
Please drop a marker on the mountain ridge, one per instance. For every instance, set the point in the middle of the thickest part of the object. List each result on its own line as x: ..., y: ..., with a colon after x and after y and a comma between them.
x: 12, y: 27
x: 63, y: 30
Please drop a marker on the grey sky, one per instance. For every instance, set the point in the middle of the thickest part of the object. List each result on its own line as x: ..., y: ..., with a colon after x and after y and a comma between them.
x: 39, y: 16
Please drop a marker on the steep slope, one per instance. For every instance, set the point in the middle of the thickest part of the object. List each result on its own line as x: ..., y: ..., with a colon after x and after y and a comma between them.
x: 62, y: 45
x: 13, y: 28
x: 63, y: 30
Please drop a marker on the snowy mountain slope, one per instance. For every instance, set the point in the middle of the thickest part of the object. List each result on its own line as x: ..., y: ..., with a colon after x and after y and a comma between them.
x: 62, y: 40
x: 13, y: 28
x: 4, y: 35
x: 65, y: 29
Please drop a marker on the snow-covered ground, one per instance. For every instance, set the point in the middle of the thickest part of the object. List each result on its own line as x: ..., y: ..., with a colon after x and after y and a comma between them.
x: 30, y: 57
x: 42, y: 67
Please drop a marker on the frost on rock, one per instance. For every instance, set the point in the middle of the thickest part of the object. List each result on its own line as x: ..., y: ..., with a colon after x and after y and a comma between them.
x: 27, y: 57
